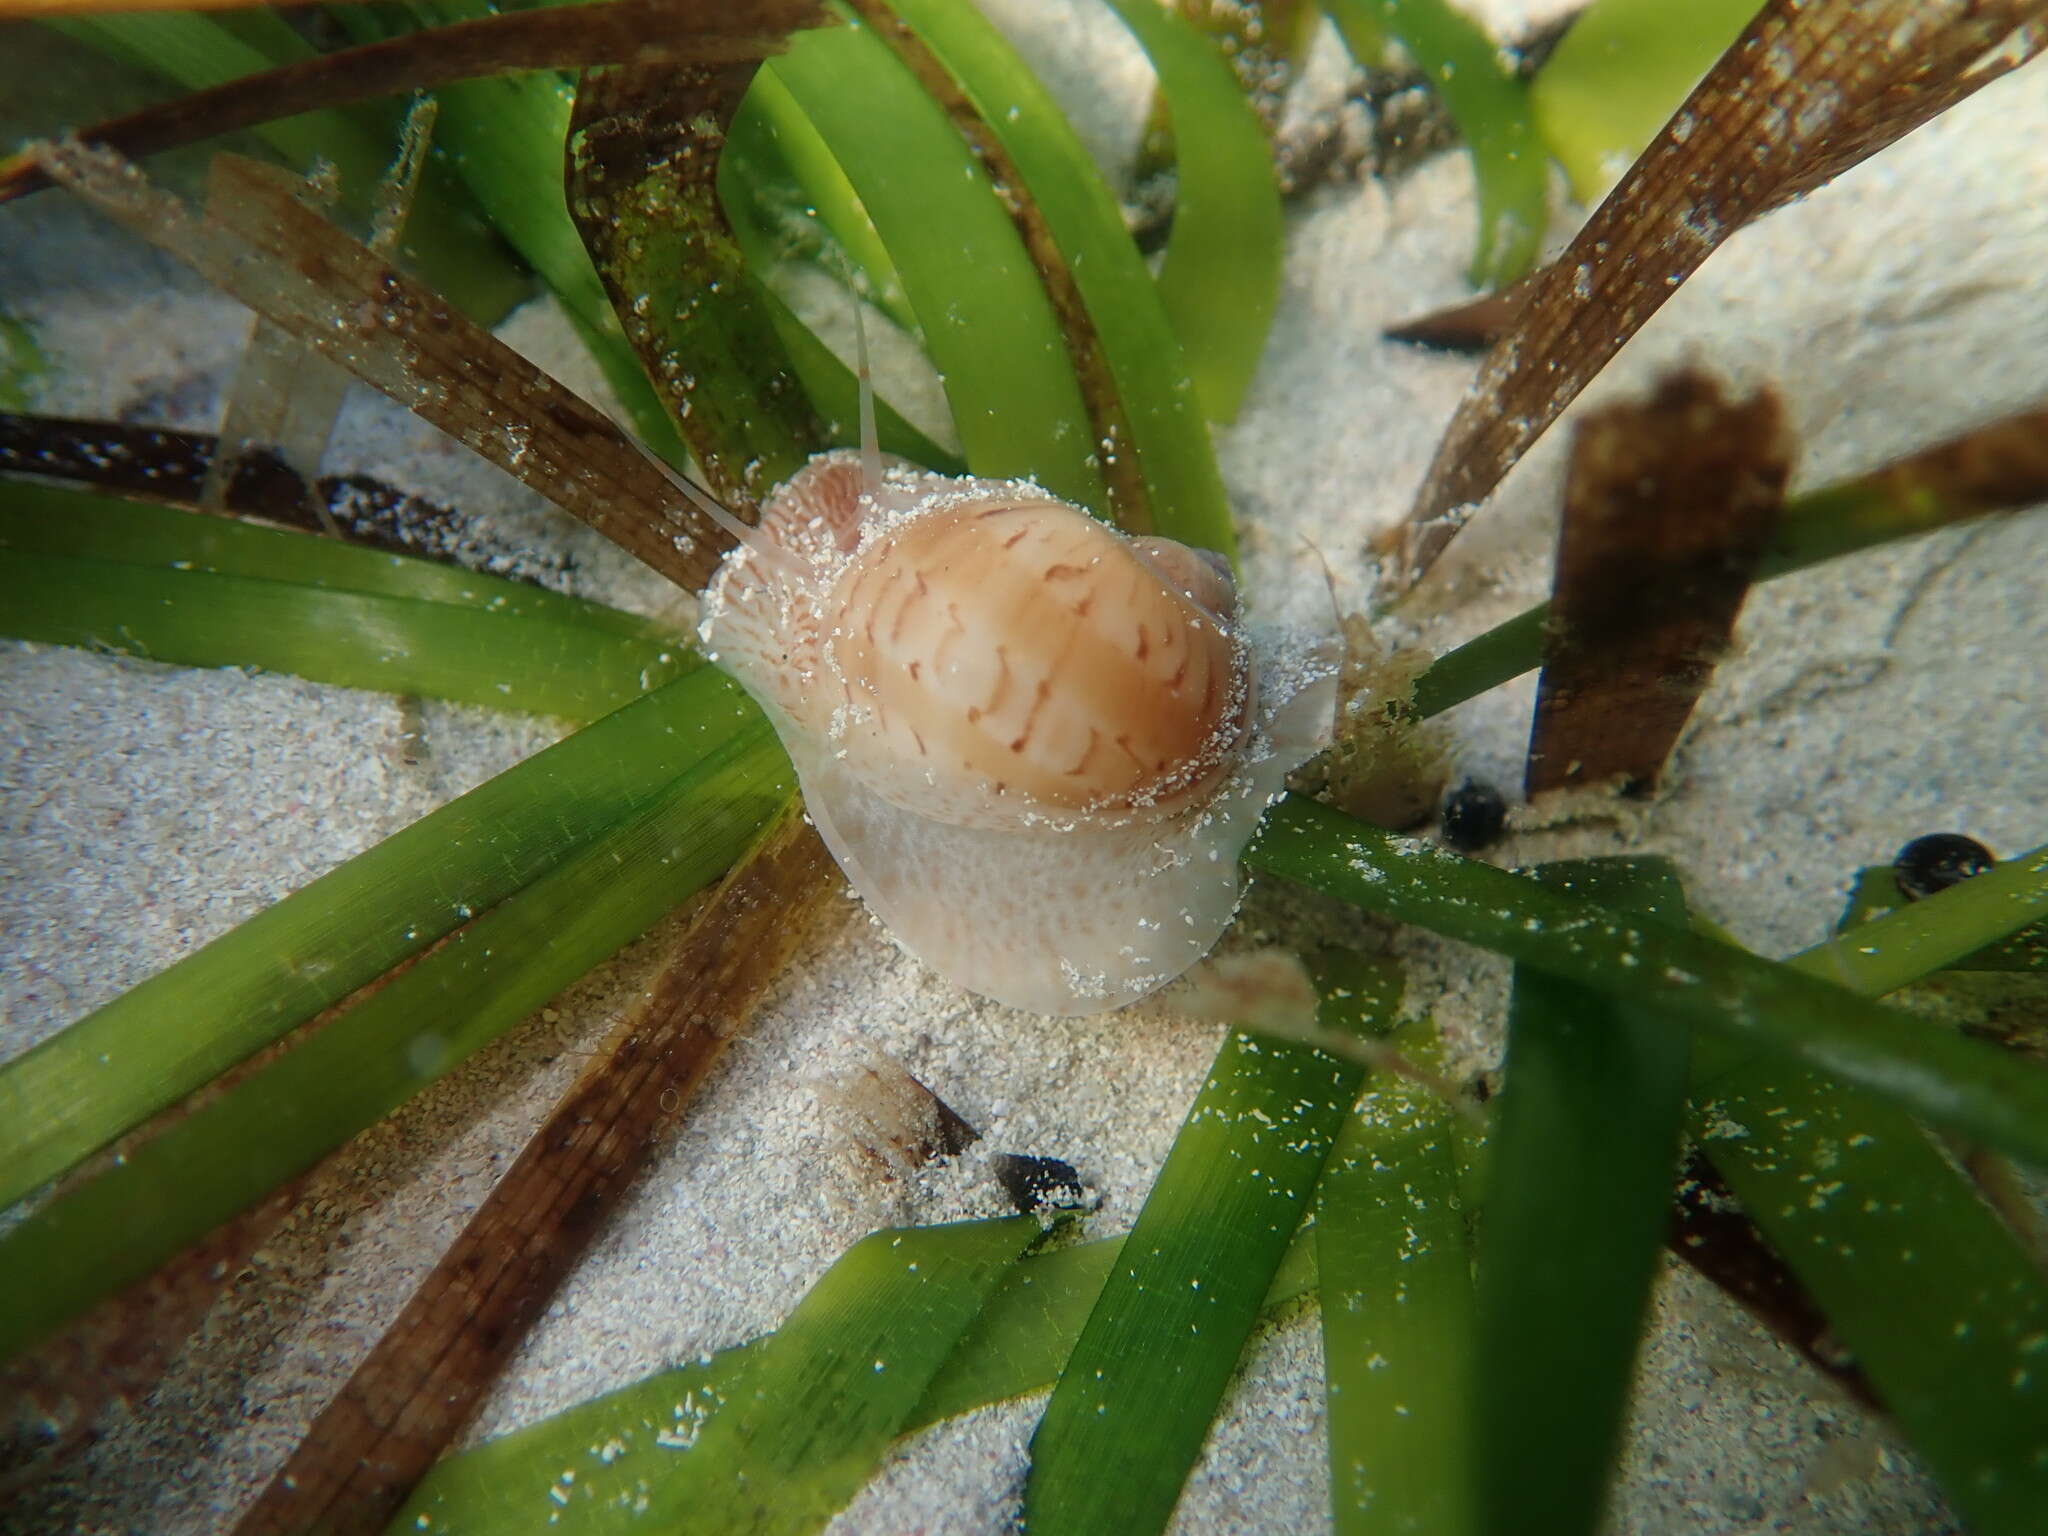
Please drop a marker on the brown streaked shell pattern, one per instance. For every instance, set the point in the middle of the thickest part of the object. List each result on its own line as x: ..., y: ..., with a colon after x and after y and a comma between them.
x: 1018, y: 649
x: 1034, y: 745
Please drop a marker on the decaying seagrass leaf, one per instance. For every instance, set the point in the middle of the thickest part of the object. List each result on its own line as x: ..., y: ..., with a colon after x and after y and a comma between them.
x: 1711, y: 1234
x: 281, y: 410
x: 1473, y: 326
x: 423, y: 1379
x: 52, y: 1395
x: 617, y: 32
x: 644, y: 148
x: 286, y: 398
x: 162, y: 465
x: 2000, y: 467
x: 30, y: 8
x: 1668, y: 505
x: 159, y: 463
x: 1811, y: 88
x: 261, y: 245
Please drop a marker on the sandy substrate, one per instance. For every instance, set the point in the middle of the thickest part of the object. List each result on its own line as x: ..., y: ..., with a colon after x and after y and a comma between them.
x: 147, y: 809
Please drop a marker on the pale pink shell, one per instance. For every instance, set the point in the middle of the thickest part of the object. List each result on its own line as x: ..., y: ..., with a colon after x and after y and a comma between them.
x: 1009, y: 658
x: 1034, y: 745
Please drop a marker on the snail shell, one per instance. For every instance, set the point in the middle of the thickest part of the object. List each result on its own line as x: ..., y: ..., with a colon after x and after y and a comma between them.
x: 1034, y: 745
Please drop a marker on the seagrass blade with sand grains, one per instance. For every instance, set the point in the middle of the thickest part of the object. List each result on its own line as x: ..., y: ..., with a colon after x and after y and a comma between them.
x: 1129, y: 499
x: 1810, y: 89
x: 1998, y: 468
x: 52, y: 1395
x: 421, y: 1382
x: 645, y: 144
x: 263, y: 246
x: 616, y: 32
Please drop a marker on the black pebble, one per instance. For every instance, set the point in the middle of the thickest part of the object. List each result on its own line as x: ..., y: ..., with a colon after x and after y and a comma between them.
x: 1474, y: 814
x: 1038, y: 1183
x: 1937, y: 861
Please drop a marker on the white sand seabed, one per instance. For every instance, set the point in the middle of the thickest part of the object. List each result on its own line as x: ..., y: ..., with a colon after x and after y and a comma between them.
x: 147, y: 809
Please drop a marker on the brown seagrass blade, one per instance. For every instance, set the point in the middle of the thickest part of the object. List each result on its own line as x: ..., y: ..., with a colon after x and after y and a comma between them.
x: 424, y: 1378
x: 259, y: 243
x: 621, y: 31
x: 1669, y: 505
x: 1811, y: 88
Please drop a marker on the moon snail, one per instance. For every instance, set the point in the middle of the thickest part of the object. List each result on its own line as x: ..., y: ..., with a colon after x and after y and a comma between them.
x: 1035, y: 746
